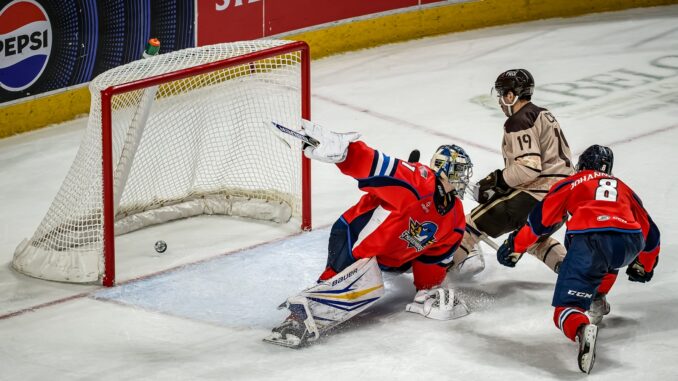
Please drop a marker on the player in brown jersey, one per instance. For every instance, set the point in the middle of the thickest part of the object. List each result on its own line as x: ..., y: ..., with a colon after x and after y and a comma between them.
x: 536, y: 155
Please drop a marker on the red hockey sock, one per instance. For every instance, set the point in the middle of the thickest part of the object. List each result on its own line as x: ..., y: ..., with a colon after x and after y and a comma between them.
x: 607, y: 282
x: 568, y: 320
x: 327, y: 274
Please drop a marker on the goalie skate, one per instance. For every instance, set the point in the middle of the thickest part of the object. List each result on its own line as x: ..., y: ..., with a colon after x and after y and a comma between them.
x: 298, y: 329
x: 586, y: 338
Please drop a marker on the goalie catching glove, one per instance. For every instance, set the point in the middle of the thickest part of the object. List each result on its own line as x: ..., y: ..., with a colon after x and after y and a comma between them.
x: 438, y: 303
x: 332, y: 146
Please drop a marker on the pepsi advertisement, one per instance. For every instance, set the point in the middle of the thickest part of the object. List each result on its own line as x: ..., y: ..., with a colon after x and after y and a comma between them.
x: 47, y: 45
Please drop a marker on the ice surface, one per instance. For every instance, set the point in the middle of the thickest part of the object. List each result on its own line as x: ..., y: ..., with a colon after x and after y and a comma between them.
x: 199, y: 311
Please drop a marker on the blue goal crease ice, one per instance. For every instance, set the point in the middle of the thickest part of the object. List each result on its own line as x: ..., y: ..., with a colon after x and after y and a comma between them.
x: 240, y: 289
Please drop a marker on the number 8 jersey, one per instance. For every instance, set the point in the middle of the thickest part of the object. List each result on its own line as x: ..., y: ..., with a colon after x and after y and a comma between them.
x: 594, y: 202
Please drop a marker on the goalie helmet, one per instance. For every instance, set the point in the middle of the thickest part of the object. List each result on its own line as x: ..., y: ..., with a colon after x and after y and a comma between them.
x: 452, y: 164
x: 597, y: 158
x: 518, y: 81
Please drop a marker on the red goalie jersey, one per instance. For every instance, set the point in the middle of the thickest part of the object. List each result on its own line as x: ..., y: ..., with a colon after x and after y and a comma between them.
x: 594, y: 201
x: 397, y: 220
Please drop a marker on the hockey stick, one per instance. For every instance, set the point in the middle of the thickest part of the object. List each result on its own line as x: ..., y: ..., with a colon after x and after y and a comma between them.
x: 135, y: 130
x: 489, y: 241
x: 414, y: 156
x: 297, y: 134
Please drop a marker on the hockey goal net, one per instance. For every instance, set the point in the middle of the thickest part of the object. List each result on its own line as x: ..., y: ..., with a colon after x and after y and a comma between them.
x: 173, y: 136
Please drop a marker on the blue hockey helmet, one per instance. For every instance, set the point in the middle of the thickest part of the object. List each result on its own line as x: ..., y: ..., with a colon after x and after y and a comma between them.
x: 597, y: 158
x: 452, y: 164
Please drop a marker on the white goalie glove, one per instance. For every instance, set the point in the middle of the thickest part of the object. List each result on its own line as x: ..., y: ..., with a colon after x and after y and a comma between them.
x: 438, y: 303
x: 332, y: 146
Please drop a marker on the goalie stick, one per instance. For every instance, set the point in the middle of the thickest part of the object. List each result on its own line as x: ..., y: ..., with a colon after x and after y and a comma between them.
x: 297, y: 134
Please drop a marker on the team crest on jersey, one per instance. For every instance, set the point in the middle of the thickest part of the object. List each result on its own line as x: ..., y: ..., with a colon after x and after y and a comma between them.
x: 419, y: 235
x: 25, y: 44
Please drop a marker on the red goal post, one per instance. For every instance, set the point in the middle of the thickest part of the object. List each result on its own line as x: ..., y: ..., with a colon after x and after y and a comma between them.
x: 273, y: 78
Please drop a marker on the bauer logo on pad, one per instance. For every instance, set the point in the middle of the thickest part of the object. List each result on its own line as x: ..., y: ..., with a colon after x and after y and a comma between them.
x: 25, y: 44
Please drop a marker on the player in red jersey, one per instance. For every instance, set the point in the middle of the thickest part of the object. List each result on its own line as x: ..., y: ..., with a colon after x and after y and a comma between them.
x: 410, y: 217
x: 608, y: 229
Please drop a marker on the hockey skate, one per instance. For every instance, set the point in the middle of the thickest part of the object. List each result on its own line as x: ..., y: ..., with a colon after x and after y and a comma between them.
x: 298, y: 329
x: 599, y: 308
x: 586, y: 338
x: 472, y: 265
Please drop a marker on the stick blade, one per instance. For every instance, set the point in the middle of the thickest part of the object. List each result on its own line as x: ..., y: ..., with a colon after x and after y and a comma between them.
x: 297, y: 134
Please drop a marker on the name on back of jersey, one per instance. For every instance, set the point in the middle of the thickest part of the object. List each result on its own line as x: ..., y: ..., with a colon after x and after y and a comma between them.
x: 588, y: 177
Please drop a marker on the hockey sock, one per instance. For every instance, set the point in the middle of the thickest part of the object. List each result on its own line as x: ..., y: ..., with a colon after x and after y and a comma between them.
x: 606, y: 284
x: 427, y: 275
x: 327, y: 274
x: 568, y: 320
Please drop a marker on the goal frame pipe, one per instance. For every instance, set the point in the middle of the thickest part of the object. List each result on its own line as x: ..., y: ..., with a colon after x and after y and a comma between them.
x: 107, y: 94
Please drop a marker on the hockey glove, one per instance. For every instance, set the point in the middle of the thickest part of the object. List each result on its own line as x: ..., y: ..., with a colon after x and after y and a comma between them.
x: 506, y: 254
x: 332, y: 147
x: 438, y: 303
x: 636, y: 271
x: 492, y: 184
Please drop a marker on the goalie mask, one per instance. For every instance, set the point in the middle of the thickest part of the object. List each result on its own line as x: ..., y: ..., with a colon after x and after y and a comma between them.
x: 597, y: 158
x: 452, y: 164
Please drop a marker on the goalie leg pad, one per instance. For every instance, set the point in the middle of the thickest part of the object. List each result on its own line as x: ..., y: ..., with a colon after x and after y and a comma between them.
x: 346, y: 294
x: 335, y: 300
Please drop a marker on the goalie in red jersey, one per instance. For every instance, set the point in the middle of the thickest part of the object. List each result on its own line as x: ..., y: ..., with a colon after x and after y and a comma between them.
x: 410, y: 217
x: 608, y: 228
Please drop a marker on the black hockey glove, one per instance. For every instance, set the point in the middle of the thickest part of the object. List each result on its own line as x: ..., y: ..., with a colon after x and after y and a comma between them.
x: 492, y: 184
x: 636, y: 271
x: 506, y: 255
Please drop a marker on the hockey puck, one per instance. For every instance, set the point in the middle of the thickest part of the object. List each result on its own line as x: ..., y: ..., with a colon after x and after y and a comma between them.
x: 160, y: 246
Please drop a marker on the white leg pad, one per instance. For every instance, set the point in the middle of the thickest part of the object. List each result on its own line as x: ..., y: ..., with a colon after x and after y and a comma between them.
x: 342, y: 297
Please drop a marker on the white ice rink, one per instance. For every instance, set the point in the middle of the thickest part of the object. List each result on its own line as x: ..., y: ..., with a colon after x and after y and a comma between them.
x: 610, y: 79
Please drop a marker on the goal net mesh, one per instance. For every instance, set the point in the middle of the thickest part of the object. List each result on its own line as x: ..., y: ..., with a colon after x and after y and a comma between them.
x: 203, y: 144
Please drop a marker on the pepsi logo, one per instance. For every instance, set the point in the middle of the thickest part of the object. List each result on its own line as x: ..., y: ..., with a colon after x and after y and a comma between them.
x: 25, y: 44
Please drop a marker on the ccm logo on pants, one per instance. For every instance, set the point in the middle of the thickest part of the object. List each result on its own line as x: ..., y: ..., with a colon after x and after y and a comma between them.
x: 579, y: 294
